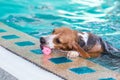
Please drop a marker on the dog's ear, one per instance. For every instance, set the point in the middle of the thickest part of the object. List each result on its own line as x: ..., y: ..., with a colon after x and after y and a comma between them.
x: 76, y: 47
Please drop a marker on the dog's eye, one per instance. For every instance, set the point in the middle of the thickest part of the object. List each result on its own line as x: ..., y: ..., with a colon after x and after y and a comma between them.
x: 58, y: 41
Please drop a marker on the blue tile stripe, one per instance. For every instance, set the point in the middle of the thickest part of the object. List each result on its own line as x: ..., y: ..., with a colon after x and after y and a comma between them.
x: 8, y: 37
x: 60, y: 60
x: 2, y: 30
x: 25, y: 43
x: 82, y: 70
x: 107, y: 79
x: 36, y: 51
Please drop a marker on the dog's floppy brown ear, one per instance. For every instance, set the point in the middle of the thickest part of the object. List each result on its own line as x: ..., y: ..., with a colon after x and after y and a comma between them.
x: 80, y: 50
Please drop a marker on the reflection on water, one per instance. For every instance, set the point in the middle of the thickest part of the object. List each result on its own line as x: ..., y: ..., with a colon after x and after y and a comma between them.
x: 40, y: 17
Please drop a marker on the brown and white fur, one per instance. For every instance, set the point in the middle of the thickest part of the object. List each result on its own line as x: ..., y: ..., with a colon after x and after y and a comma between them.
x: 84, y: 44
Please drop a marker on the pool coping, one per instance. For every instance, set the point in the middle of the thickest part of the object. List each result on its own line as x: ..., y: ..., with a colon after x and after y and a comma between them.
x: 37, y: 59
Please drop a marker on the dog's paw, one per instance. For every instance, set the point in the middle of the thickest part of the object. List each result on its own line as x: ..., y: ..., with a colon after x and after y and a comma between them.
x: 72, y: 54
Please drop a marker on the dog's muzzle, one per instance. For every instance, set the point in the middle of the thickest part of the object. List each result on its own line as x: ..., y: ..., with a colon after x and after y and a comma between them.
x: 42, y: 42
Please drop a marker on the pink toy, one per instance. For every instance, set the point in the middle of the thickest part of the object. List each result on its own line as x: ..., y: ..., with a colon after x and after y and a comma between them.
x: 46, y: 50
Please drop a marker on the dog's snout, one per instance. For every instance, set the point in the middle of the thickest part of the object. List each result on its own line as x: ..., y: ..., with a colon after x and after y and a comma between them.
x: 42, y: 40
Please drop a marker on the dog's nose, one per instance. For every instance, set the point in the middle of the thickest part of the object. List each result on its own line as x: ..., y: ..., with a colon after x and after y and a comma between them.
x: 42, y: 40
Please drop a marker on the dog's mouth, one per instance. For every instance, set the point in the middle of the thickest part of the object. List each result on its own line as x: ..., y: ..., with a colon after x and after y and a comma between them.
x: 43, y: 46
x: 46, y: 50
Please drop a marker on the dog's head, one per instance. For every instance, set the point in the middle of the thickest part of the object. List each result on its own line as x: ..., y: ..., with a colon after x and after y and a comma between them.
x: 67, y: 39
x: 61, y: 38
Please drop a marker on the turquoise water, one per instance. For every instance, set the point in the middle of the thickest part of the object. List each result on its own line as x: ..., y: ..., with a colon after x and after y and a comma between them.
x: 40, y: 17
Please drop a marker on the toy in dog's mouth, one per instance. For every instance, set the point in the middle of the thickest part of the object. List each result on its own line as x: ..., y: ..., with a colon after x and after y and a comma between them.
x: 46, y: 50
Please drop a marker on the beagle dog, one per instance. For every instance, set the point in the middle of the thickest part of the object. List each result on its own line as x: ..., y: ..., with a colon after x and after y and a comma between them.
x: 84, y: 44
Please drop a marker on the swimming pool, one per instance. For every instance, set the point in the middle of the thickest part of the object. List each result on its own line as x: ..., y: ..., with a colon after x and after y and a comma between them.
x: 40, y: 17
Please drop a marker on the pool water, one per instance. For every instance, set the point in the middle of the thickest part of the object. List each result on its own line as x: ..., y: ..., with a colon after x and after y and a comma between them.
x: 40, y: 17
